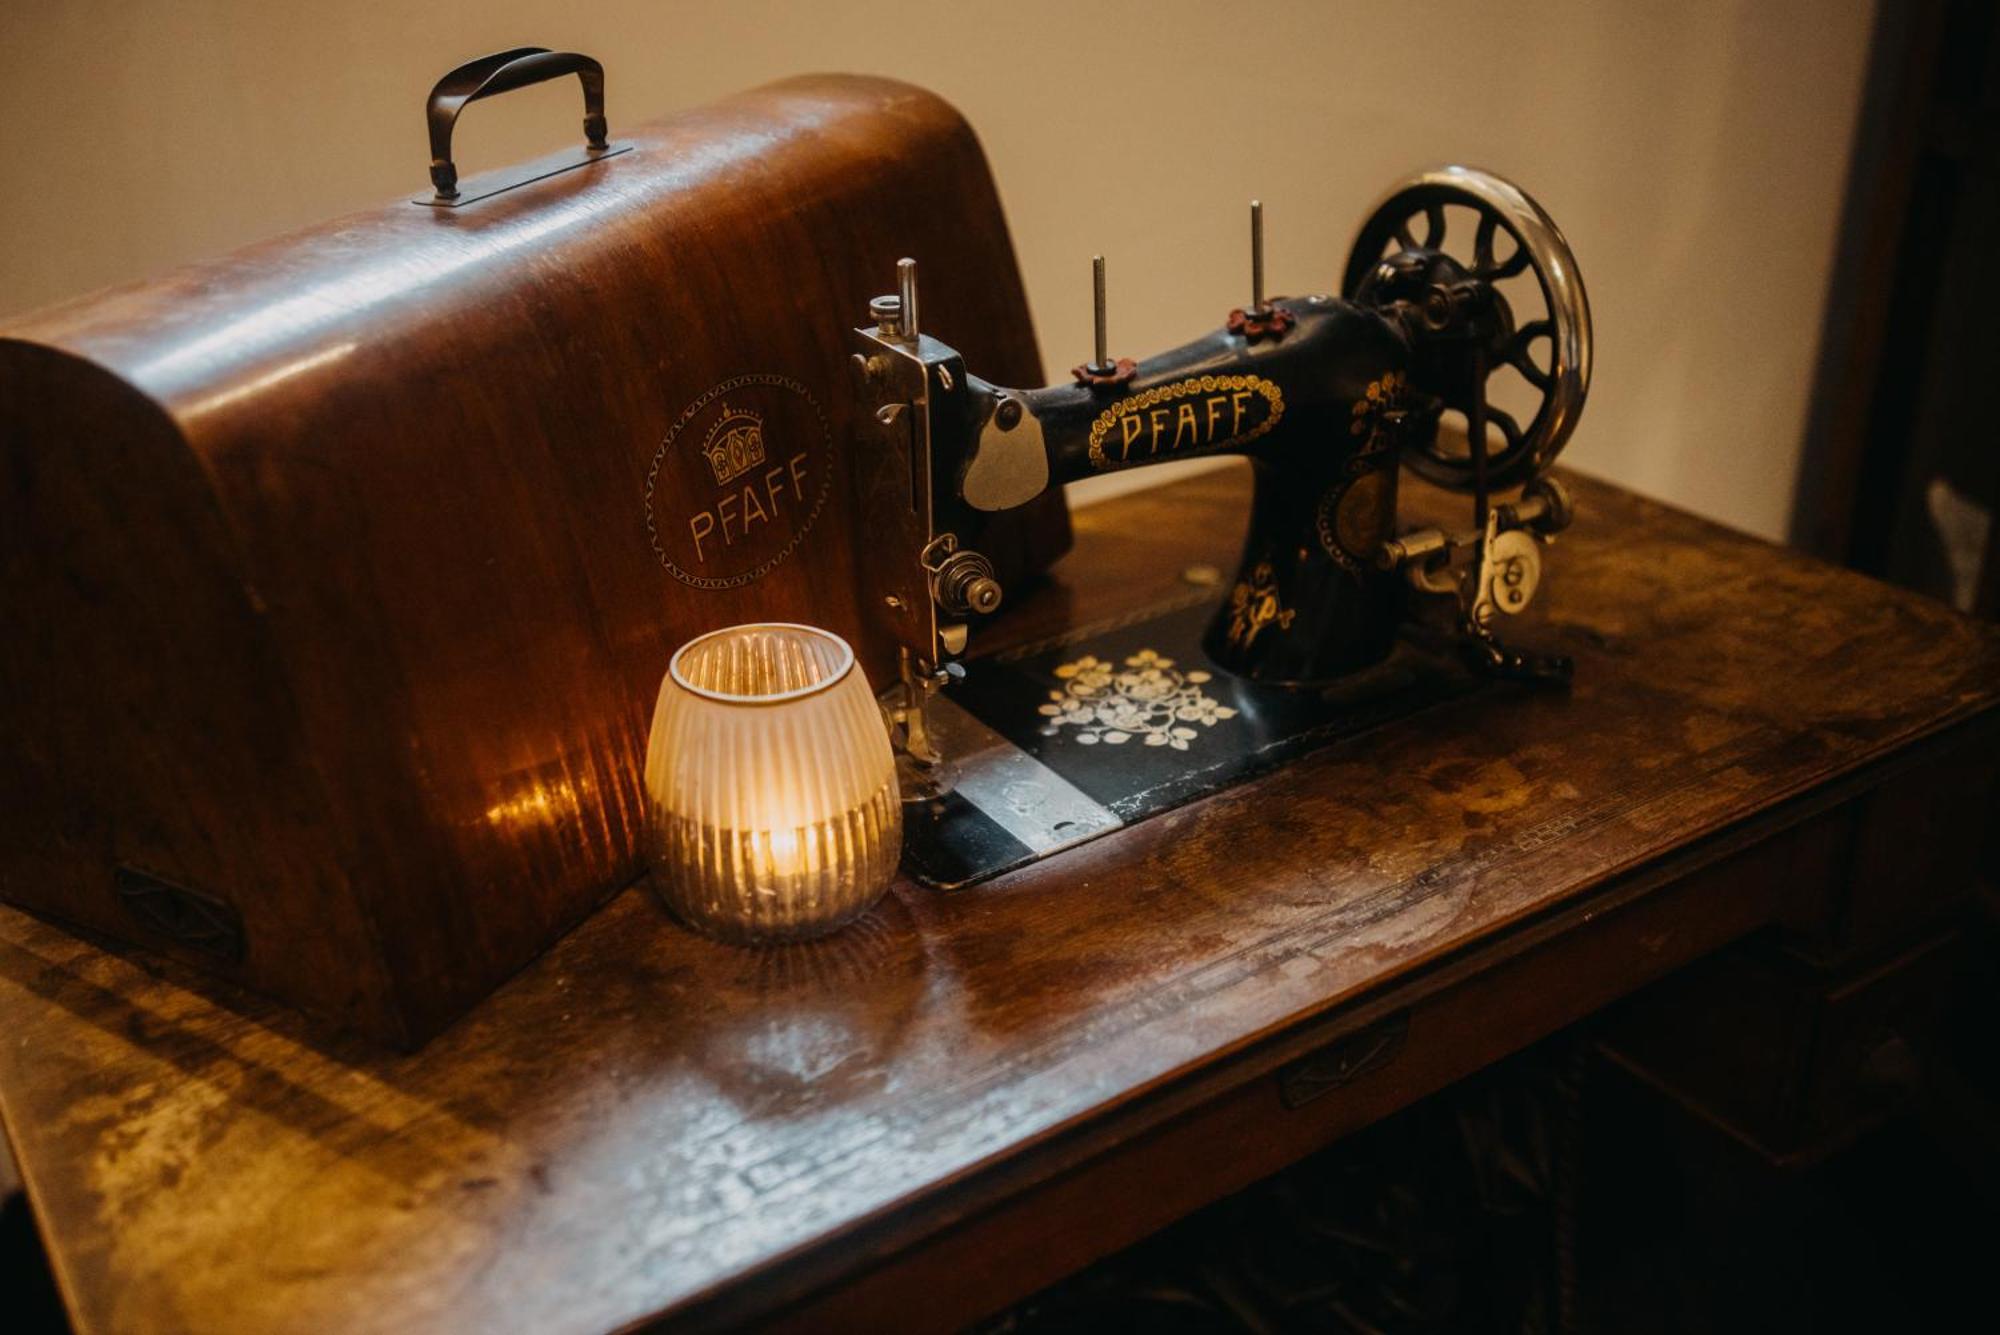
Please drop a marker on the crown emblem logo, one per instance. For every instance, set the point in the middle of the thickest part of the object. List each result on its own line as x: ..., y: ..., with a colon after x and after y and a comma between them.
x: 735, y: 444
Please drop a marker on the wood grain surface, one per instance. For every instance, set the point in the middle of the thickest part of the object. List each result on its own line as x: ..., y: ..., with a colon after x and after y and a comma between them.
x: 644, y: 1123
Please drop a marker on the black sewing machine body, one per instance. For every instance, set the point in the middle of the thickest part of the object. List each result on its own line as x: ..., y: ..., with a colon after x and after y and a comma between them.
x: 1329, y: 397
x: 1298, y: 610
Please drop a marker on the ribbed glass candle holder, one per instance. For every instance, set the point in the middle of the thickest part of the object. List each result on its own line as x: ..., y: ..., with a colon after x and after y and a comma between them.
x: 773, y: 812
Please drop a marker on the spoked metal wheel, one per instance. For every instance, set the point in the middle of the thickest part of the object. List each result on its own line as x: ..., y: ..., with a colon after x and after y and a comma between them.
x: 1404, y: 248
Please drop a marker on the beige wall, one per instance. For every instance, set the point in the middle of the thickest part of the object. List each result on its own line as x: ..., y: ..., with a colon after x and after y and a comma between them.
x: 1693, y: 152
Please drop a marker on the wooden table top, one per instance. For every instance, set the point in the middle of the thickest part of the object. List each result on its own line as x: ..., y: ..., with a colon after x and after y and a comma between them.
x: 644, y: 1122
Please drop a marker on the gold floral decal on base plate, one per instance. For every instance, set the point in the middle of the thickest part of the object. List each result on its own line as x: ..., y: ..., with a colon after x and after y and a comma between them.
x: 1148, y: 697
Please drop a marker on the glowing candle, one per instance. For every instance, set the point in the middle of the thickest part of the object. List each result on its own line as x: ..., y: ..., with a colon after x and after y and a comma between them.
x: 773, y: 812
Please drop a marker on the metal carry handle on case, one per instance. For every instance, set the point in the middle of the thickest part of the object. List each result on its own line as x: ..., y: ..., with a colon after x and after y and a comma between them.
x: 503, y: 72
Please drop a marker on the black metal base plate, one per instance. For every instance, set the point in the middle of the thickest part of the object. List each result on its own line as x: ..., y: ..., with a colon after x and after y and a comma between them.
x: 1062, y: 741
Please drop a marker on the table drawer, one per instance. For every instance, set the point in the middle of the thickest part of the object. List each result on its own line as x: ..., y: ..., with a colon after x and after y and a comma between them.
x: 1788, y: 1060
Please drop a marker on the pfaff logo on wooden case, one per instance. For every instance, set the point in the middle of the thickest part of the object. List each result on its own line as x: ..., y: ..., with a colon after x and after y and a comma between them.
x: 736, y: 485
x: 735, y: 444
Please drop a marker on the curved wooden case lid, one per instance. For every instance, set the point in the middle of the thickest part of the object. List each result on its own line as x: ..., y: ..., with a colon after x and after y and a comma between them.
x: 358, y: 555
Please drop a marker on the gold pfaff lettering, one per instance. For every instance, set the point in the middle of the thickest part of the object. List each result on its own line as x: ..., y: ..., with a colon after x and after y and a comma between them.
x: 1207, y: 413
x: 738, y: 511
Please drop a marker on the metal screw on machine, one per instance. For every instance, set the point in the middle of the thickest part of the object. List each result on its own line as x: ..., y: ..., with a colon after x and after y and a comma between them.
x: 906, y: 287
x: 1257, y: 302
x: 962, y: 580
x: 1544, y: 510
x: 1101, y: 363
x: 1102, y: 369
x: 965, y: 583
x: 1544, y: 506
x: 895, y: 313
x: 1260, y: 319
x: 1509, y: 570
x: 887, y: 313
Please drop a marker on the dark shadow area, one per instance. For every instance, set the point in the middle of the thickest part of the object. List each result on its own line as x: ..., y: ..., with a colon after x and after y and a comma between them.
x: 30, y: 1300
x: 1555, y: 1192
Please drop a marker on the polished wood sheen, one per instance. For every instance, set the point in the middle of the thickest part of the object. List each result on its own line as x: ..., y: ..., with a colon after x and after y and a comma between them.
x: 970, y: 1093
x: 328, y: 574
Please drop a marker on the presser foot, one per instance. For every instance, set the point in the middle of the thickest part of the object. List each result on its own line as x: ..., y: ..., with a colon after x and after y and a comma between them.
x: 923, y: 772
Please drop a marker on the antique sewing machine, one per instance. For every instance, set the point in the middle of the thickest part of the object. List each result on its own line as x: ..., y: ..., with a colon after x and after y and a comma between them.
x: 1329, y: 397
x: 389, y: 527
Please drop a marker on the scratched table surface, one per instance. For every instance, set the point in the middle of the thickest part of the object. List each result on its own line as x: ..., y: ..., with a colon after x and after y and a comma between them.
x: 643, y: 1120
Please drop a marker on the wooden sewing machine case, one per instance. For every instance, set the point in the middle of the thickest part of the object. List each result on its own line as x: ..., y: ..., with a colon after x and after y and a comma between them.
x: 340, y: 574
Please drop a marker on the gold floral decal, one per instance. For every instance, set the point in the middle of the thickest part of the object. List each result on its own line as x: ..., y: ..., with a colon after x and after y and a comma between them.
x: 1253, y: 605
x: 1147, y: 697
x: 1349, y: 515
x: 1219, y: 385
x: 1381, y: 395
